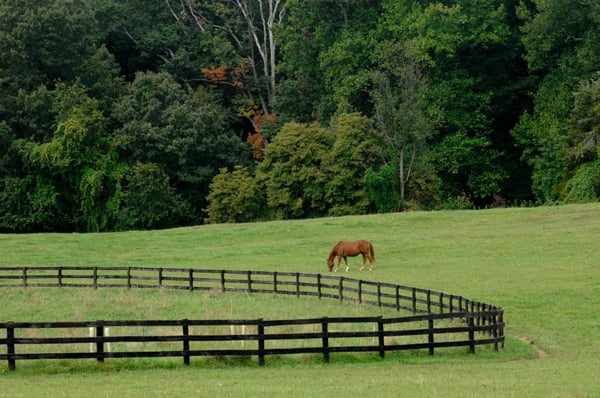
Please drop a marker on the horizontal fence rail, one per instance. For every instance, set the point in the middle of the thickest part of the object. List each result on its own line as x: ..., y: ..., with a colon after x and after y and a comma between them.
x: 480, y: 323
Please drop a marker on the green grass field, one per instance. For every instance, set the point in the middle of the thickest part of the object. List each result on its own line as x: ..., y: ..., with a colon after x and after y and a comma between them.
x: 542, y: 265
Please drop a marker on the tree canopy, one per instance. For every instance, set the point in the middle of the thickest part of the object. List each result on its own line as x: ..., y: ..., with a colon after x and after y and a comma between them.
x: 124, y: 114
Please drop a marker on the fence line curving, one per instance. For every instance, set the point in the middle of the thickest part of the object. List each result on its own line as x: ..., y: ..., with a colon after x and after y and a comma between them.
x: 430, y: 328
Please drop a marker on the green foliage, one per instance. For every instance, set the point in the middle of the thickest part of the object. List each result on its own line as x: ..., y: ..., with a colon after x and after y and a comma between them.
x: 325, y: 52
x: 563, y: 41
x: 29, y: 204
x: 148, y: 202
x: 355, y: 149
x: 503, y: 107
x: 383, y: 187
x: 585, y: 123
x: 234, y: 197
x: 554, y: 28
x: 292, y: 171
x: 477, y: 86
x: 311, y: 171
x: 399, y: 114
x: 584, y: 186
x: 345, y: 70
x: 100, y: 189
x: 185, y: 135
x: 466, y: 162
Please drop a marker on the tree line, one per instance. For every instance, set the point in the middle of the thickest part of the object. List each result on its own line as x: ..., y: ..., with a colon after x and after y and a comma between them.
x: 130, y: 114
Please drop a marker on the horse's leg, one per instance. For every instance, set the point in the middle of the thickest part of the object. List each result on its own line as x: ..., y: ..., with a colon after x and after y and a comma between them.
x: 339, y: 258
x: 371, y: 258
x: 364, y: 261
x: 346, y: 262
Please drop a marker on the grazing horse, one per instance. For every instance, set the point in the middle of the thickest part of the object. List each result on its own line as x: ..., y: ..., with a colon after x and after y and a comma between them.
x: 344, y: 249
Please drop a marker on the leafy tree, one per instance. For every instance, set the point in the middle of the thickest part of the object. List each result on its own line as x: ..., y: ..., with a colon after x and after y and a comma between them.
x: 465, y: 47
x: 311, y: 171
x: 43, y: 41
x: 292, y: 171
x: 399, y: 116
x: 354, y: 150
x: 149, y: 202
x: 562, y: 46
x: 584, y: 186
x: 585, y: 123
x: 345, y: 67
x: 383, y: 188
x: 325, y: 53
x: 44, y: 188
x: 78, y: 144
x: 234, y: 197
x: 186, y: 136
x: 583, y: 151
x: 101, y: 193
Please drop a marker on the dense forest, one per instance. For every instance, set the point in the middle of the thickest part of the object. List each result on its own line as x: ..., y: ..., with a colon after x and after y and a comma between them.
x: 142, y: 114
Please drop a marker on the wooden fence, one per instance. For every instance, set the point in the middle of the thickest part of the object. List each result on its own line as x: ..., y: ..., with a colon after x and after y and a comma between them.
x: 478, y: 323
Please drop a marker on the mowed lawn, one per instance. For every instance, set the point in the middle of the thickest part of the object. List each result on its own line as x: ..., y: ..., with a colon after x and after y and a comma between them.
x: 542, y: 265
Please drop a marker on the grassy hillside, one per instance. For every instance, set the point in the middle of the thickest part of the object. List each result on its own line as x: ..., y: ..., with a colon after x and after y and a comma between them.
x: 541, y: 264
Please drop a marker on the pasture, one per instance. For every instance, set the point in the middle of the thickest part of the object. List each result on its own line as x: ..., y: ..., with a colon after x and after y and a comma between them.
x: 542, y: 265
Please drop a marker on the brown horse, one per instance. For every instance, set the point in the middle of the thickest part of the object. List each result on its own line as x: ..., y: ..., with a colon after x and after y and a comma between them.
x: 344, y: 249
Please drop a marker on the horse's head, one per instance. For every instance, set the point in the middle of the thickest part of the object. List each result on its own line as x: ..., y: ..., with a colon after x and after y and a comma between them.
x: 330, y: 263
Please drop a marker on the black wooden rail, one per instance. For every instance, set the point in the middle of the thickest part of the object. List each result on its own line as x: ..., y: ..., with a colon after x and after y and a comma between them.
x: 479, y: 323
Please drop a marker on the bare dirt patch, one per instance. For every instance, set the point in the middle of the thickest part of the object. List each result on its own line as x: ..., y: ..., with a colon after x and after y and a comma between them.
x: 541, y: 353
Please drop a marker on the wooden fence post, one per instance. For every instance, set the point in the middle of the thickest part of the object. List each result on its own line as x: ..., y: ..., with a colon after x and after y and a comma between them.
x: 494, y: 322
x: 471, y: 323
x: 414, y: 299
x: 319, y: 285
x: 10, y: 346
x: 429, y: 301
x: 325, y: 339
x: 186, y: 342
x: 378, y: 294
x: 261, y: 342
x: 59, y: 276
x: 381, y: 337
x: 275, y: 282
x: 100, y: 341
x: 360, y: 291
x: 24, y: 276
x: 191, y: 279
x: 129, y: 277
x: 249, y: 281
x: 160, y: 277
x: 297, y: 284
x: 500, y: 327
x: 95, y: 277
x: 222, y: 280
x: 341, y: 288
x: 397, y: 298
x: 430, y: 336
